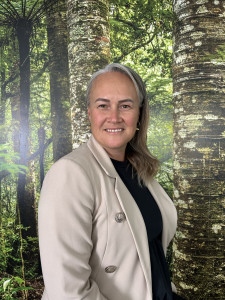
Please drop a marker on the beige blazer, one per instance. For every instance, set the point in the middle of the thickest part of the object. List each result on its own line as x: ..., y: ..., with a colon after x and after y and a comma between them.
x: 93, y: 240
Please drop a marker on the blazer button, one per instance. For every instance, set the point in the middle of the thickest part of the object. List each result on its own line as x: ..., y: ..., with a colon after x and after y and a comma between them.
x: 110, y: 269
x: 120, y: 217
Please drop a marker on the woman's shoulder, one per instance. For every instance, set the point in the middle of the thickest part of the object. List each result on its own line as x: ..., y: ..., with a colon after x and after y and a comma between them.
x: 80, y: 155
x: 78, y: 161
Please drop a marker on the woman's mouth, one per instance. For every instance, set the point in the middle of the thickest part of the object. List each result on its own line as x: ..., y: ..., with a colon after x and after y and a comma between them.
x: 114, y: 130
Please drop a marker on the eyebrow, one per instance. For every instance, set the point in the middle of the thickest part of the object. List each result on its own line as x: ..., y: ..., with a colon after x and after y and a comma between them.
x: 107, y: 100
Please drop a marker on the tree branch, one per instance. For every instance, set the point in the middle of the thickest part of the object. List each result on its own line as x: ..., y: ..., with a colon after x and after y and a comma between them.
x: 40, y: 73
x: 128, y: 23
x: 117, y: 59
x: 38, y: 152
x: 5, y: 173
x: 10, y: 79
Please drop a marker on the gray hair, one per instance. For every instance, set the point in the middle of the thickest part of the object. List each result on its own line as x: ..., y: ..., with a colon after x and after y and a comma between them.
x: 115, y: 67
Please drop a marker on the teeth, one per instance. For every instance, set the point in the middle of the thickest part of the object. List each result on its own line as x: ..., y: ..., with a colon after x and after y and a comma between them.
x: 114, y: 130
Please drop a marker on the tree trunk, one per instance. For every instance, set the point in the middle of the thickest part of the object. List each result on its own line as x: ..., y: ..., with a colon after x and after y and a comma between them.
x: 88, y: 24
x: 199, y: 148
x: 59, y: 80
x: 25, y: 202
x: 2, y: 137
x: 2, y: 106
x: 15, y: 111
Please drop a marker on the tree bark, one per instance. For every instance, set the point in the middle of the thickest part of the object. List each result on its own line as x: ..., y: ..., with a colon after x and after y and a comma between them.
x: 25, y: 202
x: 88, y: 24
x: 41, y: 142
x: 59, y: 80
x: 199, y: 148
x: 2, y: 106
x: 2, y: 136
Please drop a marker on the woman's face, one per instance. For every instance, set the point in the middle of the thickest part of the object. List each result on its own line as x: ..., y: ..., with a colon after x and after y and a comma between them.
x: 113, y: 112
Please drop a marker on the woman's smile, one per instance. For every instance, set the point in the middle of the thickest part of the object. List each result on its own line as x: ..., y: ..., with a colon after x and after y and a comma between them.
x: 116, y: 130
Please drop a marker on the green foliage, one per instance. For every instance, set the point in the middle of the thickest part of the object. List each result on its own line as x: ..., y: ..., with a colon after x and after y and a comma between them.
x: 30, y: 248
x: 9, y: 247
x: 33, y: 10
x: 10, y: 250
x: 7, y: 161
x: 10, y: 287
x: 160, y: 137
x: 144, y: 25
x: 39, y: 117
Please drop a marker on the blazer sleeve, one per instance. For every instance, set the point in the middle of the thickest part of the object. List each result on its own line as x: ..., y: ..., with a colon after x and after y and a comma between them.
x: 65, y: 227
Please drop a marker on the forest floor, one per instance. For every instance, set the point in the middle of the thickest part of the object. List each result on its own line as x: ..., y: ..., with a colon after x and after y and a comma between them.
x: 38, y: 288
x: 35, y: 294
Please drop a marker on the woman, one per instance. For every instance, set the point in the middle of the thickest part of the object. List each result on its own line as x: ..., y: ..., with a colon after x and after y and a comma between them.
x: 104, y: 222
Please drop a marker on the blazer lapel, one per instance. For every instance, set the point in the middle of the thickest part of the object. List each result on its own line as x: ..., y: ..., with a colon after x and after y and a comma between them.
x: 137, y: 227
x: 130, y: 208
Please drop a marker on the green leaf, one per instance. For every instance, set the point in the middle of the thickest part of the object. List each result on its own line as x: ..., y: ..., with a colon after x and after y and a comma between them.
x: 22, y: 288
x: 18, y: 280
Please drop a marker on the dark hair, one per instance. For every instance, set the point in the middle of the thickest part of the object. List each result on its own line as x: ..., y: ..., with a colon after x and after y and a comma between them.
x: 137, y: 151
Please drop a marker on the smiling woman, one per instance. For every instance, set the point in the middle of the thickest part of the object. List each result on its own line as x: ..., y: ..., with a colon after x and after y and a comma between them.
x: 113, y: 112
x: 104, y: 222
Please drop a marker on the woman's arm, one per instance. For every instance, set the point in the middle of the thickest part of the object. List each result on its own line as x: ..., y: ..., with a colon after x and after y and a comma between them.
x: 65, y: 228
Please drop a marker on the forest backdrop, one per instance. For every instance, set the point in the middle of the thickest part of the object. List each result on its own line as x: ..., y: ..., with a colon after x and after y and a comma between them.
x: 48, y: 51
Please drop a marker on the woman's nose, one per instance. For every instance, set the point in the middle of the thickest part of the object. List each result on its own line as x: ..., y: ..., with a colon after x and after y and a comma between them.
x: 114, y: 115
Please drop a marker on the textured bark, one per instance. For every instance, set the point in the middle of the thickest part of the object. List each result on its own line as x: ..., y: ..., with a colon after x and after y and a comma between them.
x: 59, y: 80
x: 88, y: 24
x: 199, y: 148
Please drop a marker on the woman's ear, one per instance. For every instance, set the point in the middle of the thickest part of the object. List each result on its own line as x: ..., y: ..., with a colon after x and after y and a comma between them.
x: 89, y: 113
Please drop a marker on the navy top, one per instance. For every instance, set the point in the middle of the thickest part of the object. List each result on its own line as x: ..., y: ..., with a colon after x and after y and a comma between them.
x: 161, y: 285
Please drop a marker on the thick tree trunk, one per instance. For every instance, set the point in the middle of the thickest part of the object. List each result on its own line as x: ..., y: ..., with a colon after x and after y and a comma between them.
x: 59, y: 80
x: 88, y: 24
x: 25, y: 202
x: 199, y: 148
x: 2, y: 137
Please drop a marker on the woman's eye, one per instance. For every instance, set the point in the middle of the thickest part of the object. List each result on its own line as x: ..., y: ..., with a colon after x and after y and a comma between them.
x: 125, y: 106
x: 102, y: 106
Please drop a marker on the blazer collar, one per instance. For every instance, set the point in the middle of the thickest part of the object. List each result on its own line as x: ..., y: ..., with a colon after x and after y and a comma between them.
x: 129, y: 206
x: 102, y: 157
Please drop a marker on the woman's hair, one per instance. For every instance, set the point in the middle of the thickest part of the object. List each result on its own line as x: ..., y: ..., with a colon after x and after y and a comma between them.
x: 137, y: 151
